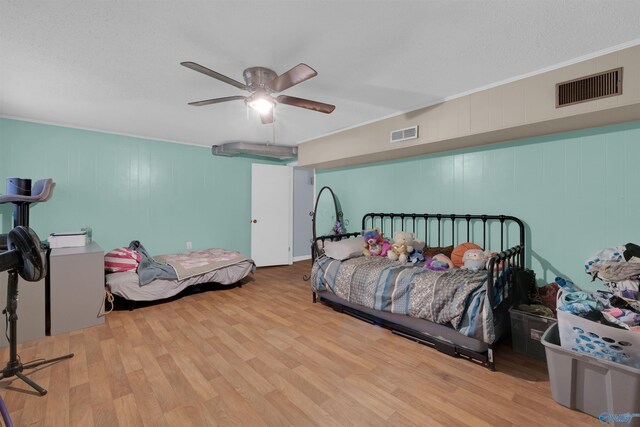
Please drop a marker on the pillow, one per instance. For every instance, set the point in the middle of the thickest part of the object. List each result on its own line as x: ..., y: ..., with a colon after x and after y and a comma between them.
x: 431, y: 252
x: 121, y: 259
x: 344, y: 249
x: 458, y: 252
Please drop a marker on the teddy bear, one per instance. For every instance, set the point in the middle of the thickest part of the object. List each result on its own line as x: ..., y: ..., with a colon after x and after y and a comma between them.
x: 474, y: 259
x: 398, y: 252
x: 372, y: 242
x: 402, y: 246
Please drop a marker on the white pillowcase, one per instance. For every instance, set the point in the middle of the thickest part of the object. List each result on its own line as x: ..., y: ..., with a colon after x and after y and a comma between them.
x: 344, y: 249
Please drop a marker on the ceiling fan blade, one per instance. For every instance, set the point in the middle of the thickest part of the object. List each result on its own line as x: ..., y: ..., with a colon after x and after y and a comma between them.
x: 297, y: 74
x: 204, y: 70
x: 215, y: 100
x: 306, y: 103
x: 267, y: 117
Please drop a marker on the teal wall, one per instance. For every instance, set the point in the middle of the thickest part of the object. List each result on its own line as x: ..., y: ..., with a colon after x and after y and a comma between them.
x: 577, y: 192
x: 127, y: 188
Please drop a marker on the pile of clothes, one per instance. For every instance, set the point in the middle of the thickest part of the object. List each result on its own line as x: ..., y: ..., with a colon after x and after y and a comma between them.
x: 617, y: 267
x: 542, y: 301
x: 618, y: 311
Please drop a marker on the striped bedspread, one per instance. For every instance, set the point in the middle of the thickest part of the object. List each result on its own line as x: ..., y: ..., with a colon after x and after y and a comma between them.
x: 456, y: 297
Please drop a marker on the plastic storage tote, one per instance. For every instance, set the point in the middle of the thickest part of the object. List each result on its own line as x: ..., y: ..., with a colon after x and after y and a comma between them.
x: 526, y: 332
x: 606, y: 390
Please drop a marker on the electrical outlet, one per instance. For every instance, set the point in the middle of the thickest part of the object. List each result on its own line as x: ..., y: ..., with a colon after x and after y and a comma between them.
x: 189, y: 245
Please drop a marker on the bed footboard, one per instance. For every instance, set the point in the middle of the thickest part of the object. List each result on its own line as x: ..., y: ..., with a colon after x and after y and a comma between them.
x: 504, y: 261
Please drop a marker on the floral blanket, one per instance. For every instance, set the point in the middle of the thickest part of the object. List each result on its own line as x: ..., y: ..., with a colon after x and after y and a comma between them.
x: 189, y: 264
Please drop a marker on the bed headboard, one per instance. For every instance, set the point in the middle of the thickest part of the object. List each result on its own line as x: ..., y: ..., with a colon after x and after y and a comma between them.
x: 494, y: 232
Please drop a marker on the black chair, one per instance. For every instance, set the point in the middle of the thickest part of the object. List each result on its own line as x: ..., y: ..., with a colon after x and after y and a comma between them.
x: 20, y: 193
x: 41, y: 192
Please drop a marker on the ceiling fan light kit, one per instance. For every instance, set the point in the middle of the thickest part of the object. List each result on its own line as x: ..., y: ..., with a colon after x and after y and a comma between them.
x: 260, y: 103
x: 272, y: 151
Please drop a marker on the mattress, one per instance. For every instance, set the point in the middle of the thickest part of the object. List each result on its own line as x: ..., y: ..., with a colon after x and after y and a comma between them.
x: 455, y: 297
x: 127, y: 284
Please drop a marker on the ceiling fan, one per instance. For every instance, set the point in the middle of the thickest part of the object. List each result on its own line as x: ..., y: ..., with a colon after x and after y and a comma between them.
x: 261, y: 82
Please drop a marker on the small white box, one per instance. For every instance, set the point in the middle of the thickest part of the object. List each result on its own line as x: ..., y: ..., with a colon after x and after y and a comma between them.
x: 67, y: 240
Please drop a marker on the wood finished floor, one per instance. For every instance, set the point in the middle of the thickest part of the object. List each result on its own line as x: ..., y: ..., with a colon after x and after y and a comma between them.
x: 262, y: 355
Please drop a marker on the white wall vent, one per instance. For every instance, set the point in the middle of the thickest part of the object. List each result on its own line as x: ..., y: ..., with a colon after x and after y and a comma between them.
x: 404, y: 134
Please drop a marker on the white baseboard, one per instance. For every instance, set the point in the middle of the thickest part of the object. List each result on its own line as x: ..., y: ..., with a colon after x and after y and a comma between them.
x: 301, y: 258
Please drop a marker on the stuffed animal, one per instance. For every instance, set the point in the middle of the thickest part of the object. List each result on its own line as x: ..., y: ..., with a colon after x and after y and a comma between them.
x: 439, y: 262
x: 402, y: 246
x: 372, y: 242
x: 416, y: 257
x: 418, y: 245
x: 399, y: 250
x: 398, y: 253
x: 458, y: 252
x: 374, y: 248
x: 412, y: 243
x: 385, y: 246
x: 474, y: 259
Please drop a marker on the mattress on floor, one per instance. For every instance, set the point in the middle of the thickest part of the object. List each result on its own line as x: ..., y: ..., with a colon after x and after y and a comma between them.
x: 127, y: 285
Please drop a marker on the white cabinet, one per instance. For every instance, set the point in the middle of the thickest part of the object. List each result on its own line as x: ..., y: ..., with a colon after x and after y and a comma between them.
x: 76, y: 289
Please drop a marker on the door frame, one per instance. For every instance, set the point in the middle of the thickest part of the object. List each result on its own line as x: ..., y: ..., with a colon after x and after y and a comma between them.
x: 311, y: 208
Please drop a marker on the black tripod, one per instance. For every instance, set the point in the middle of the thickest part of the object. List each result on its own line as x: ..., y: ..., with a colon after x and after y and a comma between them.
x: 27, y: 260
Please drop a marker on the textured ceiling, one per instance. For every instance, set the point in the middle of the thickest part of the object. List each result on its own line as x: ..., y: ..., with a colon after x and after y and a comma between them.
x: 114, y: 66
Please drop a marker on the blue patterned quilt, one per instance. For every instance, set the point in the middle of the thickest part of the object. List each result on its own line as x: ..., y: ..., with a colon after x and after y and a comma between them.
x: 456, y: 297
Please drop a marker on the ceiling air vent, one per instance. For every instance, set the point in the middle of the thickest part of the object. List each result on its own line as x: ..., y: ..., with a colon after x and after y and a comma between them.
x: 595, y: 86
x: 404, y: 134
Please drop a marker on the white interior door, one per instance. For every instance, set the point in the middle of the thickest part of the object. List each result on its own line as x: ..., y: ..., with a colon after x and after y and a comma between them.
x: 271, y: 214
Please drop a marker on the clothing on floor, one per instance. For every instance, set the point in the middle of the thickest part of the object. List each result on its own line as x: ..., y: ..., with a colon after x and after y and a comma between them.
x: 603, y: 307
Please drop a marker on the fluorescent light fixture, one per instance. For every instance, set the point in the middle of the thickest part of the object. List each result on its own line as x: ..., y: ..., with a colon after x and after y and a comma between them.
x: 272, y: 151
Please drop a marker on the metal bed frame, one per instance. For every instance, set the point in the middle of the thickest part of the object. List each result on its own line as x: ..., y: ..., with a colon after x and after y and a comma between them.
x: 434, y: 228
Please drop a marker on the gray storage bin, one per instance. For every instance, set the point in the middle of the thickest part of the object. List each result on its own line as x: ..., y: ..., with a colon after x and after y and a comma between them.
x: 526, y: 332
x: 606, y: 390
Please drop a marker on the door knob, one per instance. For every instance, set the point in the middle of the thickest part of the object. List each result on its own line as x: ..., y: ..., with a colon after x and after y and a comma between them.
x: 255, y: 221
